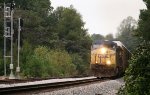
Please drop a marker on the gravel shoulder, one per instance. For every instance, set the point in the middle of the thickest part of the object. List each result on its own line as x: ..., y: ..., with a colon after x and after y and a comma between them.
x: 100, y: 88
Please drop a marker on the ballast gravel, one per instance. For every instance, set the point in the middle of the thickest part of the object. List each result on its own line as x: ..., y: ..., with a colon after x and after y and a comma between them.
x: 100, y: 88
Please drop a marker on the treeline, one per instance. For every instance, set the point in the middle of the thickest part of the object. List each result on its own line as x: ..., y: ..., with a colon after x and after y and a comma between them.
x: 125, y: 33
x: 54, y: 43
x: 137, y: 76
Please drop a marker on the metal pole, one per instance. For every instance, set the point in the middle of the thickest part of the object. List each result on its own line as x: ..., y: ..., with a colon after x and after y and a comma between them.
x: 12, y: 37
x: 12, y: 32
x: 18, y: 67
x: 4, y: 42
x: 18, y: 40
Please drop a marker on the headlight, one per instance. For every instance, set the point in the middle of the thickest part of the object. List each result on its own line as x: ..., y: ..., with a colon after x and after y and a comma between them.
x: 108, y: 62
x: 103, y: 50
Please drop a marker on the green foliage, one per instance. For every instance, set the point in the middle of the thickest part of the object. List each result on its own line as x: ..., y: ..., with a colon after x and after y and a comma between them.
x: 69, y: 24
x: 50, y: 38
x: 109, y: 37
x: 62, y: 63
x: 126, y: 32
x: 97, y: 37
x: 1, y: 64
x: 35, y: 5
x: 70, y: 29
x: 34, y: 13
x: 72, y: 36
x: 138, y: 74
x: 121, y: 91
x: 81, y: 67
x: 144, y: 22
x: 147, y: 3
x: 49, y: 63
x: 26, y: 52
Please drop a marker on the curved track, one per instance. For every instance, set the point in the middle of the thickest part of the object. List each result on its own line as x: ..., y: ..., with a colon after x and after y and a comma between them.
x: 8, y: 90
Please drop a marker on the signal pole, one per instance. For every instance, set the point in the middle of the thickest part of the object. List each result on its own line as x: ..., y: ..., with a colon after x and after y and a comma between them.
x: 6, y: 30
x: 18, y: 67
x: 8, y: 34
x: 11, y: 76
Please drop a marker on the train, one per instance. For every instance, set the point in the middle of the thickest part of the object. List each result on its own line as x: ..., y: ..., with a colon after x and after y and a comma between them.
x: 108, y: 58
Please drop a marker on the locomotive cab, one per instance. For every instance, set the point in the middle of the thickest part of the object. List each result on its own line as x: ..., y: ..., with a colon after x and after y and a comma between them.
x: 107, y: 59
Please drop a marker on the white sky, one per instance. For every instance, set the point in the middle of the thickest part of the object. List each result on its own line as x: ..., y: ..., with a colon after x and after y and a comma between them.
x: 103, y: 16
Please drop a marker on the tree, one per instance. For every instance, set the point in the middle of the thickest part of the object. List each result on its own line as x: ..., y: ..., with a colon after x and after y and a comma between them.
x: 126, y: 33
x: 95, y: 37
x: 35, y: 15
x: 72, y: 35
x: 61, y: 29
x: 144, y: 18
x: 137, y: 75
x: 109, y: 37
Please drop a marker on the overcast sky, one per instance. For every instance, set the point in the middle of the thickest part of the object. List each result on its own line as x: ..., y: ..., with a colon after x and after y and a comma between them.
x: 103, y: 16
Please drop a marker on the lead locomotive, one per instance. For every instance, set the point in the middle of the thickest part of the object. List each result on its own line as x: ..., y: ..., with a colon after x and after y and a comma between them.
x: 109, y: 58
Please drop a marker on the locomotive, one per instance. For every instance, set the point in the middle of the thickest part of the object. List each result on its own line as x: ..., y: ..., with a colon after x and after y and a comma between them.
x: 109, y: 58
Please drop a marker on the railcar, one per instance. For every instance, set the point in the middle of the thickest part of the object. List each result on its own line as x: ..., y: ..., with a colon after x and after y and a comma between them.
x: 109, y: 58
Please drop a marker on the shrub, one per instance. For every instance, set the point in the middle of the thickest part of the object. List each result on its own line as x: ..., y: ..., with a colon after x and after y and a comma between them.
x: 49, y: 63
x: 137, y: 76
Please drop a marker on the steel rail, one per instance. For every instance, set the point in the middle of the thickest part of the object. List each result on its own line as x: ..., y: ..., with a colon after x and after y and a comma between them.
x: 46, y: 85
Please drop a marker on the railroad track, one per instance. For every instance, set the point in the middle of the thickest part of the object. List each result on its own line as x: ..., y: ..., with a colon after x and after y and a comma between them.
x: 22, y: 88
x: 12, y: 81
